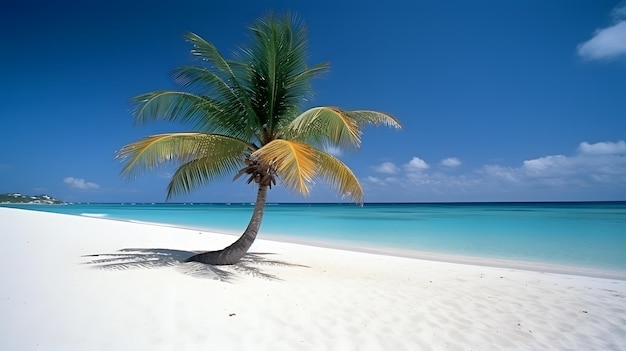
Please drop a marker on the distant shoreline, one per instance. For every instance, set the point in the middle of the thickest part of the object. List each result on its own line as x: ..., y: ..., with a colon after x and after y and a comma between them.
x: 344, y: 203
x: 20, y: 199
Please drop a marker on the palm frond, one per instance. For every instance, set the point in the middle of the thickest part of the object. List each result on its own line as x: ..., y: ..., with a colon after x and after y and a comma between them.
x: 299, y: 84
x: 331, y: 126
x: 339, y: 176
x: 230, y: 80
x: 156, y: 150
x: 277, y: 69
x: 207, y: 83
x: 234, y: 114
x: 374, y: 117
x: 208, y: 52
x: 294, y: 162
x: 298, y: 90
x: 172, y: 106
x: 326, y: 124
x: 195, y: 173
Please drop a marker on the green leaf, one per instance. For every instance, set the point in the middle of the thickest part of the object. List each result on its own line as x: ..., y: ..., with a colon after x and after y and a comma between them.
x: 326, y: 124
x: 227, y: 153
x: 195, y: 173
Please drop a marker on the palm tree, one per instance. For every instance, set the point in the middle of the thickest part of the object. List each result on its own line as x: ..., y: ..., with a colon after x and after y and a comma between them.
x: 247, y: 121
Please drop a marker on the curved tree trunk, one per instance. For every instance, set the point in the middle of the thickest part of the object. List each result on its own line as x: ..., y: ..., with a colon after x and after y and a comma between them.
x: 233, y: 253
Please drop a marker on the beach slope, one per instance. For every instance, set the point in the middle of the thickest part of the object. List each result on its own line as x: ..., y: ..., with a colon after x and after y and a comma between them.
x: 80, y: 283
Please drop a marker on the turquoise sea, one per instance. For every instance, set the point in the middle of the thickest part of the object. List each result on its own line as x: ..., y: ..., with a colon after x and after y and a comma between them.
x: 585, y: 234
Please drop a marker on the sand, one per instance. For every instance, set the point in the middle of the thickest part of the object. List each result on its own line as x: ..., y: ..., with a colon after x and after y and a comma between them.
x: 79, y: 283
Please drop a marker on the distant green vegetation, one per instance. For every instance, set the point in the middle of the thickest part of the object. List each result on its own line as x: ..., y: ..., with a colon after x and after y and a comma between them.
x: 27, y: 199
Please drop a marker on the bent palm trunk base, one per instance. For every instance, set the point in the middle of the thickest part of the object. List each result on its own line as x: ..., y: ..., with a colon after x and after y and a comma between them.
x: 233, y: 253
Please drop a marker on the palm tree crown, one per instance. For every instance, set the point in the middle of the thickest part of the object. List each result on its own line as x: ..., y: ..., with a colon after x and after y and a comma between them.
x: 247, y: 118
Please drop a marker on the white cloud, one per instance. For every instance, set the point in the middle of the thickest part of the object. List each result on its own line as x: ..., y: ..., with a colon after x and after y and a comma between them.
x: 416, y: 165
x: 607, y: 43
x: 542, y: 165
x: 381, y: 181
x: 387, y: 168
x: 619, y: 12
x: 374, y: 180
x: 80, y: 183
x: 603, y: 148
x: 506, y: 174
x: 593, y: 161
x: 597, y: 170
x: 451, y: 162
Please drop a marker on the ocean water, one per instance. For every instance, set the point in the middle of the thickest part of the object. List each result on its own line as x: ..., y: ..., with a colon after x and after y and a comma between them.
x: 588, y: 234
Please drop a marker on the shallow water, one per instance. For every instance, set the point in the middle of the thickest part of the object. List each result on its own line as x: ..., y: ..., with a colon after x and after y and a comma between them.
x: 588, y: 234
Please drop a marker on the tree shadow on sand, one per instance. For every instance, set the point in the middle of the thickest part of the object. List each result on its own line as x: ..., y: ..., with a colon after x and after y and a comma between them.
x: 138, y: 258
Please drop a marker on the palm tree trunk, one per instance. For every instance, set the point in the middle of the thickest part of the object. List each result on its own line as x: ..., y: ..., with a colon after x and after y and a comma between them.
x: 233, y: 253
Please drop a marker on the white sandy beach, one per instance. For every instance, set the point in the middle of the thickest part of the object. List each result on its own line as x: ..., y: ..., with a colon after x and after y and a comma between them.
x: 137, y: 295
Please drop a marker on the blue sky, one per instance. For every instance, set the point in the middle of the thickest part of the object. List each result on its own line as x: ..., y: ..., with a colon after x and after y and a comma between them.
x: 500, y: 100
